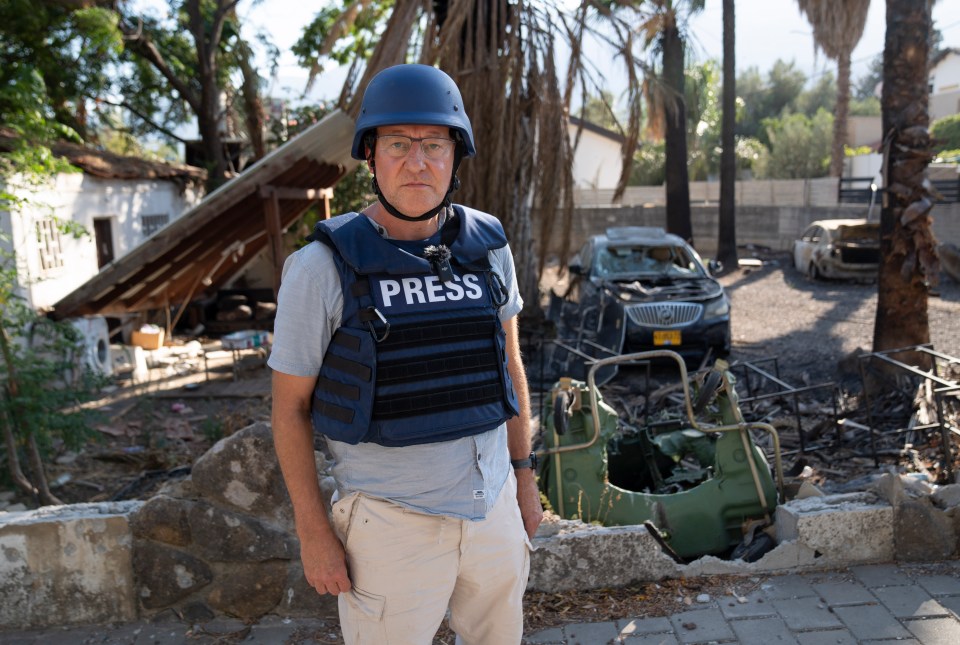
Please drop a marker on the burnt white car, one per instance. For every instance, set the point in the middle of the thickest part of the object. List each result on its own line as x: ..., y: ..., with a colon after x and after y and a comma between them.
x: 839, y: 248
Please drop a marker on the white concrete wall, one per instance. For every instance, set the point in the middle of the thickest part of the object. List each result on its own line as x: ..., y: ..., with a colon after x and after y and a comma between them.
x: 763, y: 192
x: 770, y: 213
x: 864, y: 165
x: 944, y: 104
x: 864, y: 130
x: 945, y: 77
x: 65, y: 565
x: 596, y: 160
x: 83, y: 198
x: 945, y: 87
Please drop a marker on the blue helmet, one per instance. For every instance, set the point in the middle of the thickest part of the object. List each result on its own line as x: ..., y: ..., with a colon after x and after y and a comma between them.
x: 414, y: 95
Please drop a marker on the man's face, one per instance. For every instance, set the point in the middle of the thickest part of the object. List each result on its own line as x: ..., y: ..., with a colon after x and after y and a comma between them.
x: 413, y: 182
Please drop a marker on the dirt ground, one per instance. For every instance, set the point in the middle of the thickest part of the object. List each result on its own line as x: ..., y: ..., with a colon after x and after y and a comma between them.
x: 782, y: 322
x: 810, y: 325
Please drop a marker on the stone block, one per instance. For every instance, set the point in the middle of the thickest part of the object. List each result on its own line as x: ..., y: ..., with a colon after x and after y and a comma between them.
x: 65, y: 565
x: 241, y: 472
x: 224, y: 536
x: 844, y: 529
x: 300, y: 599
x: 248, y: 590
x: 585, y: 556
x: 922, y: 532
x: 167, y: 575
x: 163, y: 519
x: 946, y: 496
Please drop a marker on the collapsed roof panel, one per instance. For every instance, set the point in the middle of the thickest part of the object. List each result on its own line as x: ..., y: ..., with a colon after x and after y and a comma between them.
x: 201, y: 251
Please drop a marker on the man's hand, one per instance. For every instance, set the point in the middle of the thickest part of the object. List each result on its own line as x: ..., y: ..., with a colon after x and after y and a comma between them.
x: 528, y: 498
x: 324, y: 563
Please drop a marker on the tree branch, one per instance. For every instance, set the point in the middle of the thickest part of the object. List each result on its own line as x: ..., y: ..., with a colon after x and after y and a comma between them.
x: 142, y: 44
x: 156, y: 126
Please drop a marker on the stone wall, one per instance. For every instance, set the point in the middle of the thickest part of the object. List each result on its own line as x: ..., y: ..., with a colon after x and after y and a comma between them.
x: 222, y: 543
x: 770, y: 213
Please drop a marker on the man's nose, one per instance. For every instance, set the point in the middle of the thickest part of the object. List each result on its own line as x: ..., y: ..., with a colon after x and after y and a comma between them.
x: 415, y: 155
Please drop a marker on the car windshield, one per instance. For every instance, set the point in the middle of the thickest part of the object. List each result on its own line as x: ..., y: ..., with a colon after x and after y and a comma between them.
x: 642, y: 261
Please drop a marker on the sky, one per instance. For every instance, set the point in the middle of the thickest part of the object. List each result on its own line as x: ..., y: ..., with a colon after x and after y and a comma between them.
x: 767, y: 30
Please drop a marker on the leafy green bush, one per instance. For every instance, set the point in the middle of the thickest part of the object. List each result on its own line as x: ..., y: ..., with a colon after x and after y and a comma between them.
x: 946, y: 133
x: 799, y: 147
x: 43, y: 380
x: 948, y: 156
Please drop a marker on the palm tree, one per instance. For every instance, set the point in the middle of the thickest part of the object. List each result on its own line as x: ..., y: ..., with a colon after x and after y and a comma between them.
x: 727, y: 234
x: 837, y: 28
x: 662, y: 23
x: 908, y: 264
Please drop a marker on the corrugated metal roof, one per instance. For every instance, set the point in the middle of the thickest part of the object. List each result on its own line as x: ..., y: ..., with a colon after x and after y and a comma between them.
x: 195, y: 254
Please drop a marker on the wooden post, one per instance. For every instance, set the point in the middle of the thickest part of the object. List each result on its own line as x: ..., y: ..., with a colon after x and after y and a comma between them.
x: 271, y: 214
x: 327, y: 194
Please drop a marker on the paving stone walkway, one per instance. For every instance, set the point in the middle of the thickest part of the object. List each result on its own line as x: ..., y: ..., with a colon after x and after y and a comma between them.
x: 886, y: 603
x: 865, y: 604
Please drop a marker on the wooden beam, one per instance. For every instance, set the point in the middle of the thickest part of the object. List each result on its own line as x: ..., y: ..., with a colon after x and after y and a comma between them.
x: 283, y: 192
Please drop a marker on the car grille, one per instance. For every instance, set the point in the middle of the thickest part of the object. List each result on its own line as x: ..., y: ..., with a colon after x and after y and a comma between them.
x: 665, y: 315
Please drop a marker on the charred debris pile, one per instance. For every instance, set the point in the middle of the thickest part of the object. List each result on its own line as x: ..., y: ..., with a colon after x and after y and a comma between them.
x: 883, y: 415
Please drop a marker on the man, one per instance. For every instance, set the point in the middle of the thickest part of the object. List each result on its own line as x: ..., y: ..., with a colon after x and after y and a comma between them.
x: 396, y: 338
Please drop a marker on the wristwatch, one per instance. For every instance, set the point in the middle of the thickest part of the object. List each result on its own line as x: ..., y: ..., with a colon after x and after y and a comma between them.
x: 530, y: 462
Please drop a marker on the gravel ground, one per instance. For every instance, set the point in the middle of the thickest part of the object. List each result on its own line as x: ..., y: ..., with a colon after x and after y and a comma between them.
x: 810, y: 325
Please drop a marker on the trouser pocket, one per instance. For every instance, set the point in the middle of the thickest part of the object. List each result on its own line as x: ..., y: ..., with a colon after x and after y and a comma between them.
x: 361, y: 617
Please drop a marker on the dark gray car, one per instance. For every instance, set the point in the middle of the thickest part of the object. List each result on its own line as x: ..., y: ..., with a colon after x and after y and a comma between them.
x: 639, y: 288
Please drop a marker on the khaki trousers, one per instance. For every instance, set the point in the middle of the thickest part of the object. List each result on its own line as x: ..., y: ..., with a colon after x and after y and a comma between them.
x: 407, y: 568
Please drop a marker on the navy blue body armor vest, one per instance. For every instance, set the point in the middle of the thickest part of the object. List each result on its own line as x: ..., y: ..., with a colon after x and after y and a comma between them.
x: 416, y: 359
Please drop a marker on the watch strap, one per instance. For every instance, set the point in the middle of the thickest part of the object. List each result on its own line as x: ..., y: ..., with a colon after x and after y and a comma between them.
x: 528, y: 462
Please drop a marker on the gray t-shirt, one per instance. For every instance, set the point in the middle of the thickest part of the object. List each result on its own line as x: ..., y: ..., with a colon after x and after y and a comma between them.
x: 460, y: 478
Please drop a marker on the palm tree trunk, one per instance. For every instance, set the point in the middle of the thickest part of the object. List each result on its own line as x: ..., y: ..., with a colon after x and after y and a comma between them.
x: 727, y: 237
x: 908, y: 251
x: 677, y: 178
x: 840, y: 117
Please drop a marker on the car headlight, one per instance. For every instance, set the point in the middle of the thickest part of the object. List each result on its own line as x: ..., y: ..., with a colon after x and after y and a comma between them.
x: 717, y: 308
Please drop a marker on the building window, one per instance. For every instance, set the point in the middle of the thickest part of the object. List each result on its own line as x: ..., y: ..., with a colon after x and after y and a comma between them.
x: 153, y: 223
x: 48, y: 239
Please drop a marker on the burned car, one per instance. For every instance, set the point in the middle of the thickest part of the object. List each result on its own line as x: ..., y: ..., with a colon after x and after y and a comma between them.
x: 839, y: 248
x: 635, y: 289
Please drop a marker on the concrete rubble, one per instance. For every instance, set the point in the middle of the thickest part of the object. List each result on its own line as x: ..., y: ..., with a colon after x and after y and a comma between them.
x: 204, y: 544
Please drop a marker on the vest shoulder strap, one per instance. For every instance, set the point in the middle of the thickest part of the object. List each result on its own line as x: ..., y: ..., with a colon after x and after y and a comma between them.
x: 363, y: 249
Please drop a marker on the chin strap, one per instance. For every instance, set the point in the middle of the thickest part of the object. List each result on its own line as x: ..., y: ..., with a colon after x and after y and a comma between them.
x: 430, y: 214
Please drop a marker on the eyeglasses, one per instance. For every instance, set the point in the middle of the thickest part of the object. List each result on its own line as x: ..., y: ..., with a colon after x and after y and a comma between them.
x: 398, y: 146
